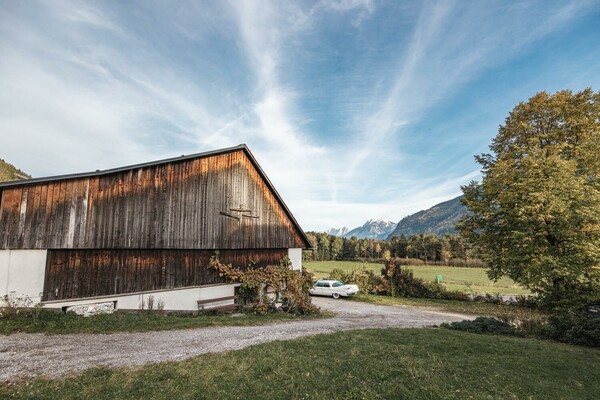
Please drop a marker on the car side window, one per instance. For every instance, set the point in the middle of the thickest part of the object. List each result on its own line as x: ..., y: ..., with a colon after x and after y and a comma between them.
x: 337, y: 284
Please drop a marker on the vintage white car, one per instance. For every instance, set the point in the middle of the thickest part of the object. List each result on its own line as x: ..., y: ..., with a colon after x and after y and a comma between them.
x: 335, y: 289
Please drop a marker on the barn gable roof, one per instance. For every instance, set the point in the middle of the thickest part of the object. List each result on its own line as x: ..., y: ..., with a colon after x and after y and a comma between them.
x: 241, y: 147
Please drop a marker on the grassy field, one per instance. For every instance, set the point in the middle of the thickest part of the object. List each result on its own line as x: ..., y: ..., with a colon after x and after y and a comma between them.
x: 470, y: 280
x: 370, y: 364
x: 52, y: 323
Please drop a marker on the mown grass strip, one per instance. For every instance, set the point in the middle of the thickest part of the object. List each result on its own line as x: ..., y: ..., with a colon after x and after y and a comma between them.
x: 371, y: 364
x: 52, y: 323
x: 511, y: 312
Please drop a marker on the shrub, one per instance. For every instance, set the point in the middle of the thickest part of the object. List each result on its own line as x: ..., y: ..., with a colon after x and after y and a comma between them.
x: 574, y: 327
x: 459, y: 262
x: 489, y: 298
x: 402, y: 283
x: 438, y: 291
x: 455, y: 262
x: 366, y: 280
x: 484, y: 325
x: 456, y: 295
x: 339, y: 275
x: 406, y: 261
x: 531, y: 327
x: 527, y: 302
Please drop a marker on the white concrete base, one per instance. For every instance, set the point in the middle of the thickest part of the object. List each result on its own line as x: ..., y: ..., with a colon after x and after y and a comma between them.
x: 184, y: 299
x: 295, y: 256
x: 22, y: 275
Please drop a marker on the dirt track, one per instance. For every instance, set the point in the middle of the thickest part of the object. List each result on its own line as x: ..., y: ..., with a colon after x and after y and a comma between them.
x: 30, y: 355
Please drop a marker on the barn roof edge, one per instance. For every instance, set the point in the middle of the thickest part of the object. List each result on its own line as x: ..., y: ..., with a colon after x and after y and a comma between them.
x: 243, y: 147
x: 24, y: 182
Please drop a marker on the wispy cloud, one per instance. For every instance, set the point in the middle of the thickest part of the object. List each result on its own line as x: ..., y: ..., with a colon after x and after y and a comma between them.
x: 92, y: 17
x: 80, y: 90
x: 331, y: 96
x: 275, y: 123
x: 362, y: 9
x: 451, y: 44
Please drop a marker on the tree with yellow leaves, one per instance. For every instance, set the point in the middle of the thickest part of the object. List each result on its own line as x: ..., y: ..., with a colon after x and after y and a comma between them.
x: 535, y: 216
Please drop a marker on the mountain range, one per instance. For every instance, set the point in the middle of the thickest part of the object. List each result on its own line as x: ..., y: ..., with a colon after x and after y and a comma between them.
x: 439, y: 220
x: 372, y: 229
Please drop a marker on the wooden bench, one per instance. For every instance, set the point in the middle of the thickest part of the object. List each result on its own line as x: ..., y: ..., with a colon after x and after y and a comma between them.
x: 204, y: 305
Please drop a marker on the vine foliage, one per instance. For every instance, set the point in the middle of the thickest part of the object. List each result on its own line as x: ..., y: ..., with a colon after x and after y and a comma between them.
x: 271, y: 288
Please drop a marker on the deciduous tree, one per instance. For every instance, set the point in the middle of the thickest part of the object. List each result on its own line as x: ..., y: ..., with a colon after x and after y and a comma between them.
x: 535, y: 216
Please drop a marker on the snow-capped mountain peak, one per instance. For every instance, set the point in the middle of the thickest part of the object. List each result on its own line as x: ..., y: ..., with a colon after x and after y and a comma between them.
x: 372, y: 229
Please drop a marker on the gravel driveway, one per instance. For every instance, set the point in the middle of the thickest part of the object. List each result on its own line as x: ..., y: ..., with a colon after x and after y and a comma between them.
x: 31, y: 355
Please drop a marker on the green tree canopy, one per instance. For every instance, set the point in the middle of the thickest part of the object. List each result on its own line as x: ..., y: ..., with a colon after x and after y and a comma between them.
x: 535, y: 216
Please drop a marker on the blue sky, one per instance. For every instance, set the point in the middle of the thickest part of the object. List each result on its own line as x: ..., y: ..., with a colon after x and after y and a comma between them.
x: 356, y: 109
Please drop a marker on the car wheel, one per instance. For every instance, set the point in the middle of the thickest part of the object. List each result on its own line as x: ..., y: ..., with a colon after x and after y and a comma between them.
x: 336, y: 295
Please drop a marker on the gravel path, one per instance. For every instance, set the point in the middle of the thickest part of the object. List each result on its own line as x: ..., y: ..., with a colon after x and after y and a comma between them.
x: 30, y: 355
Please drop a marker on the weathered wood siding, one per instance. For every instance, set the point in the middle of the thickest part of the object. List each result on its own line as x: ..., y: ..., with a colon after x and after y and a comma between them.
x: 74, y: 274
x: 166, y: 206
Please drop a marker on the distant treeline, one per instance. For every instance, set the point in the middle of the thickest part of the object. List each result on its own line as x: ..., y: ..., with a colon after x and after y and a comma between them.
x: 450, y: 249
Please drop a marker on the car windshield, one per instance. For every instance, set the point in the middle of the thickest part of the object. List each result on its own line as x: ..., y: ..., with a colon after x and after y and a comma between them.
x: 337, y: 284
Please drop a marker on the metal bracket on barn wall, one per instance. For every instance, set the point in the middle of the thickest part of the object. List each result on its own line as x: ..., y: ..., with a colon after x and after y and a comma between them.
x: 243, y: 213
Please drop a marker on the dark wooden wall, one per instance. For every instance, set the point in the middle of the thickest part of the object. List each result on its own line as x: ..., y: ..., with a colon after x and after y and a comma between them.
x: 74, y: 274
x: 169, y: 206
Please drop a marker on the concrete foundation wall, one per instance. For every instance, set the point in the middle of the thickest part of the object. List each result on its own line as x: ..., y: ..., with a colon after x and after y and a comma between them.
x: 184, y: 299
x: 22, y: 274
x: 295, y: 256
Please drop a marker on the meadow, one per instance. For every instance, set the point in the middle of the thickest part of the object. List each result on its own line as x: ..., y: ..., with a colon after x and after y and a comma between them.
x: 368, y: 364
x: 469, y: 280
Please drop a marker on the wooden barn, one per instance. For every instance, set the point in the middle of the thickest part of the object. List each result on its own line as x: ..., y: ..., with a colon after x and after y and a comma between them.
x: 123, y: 234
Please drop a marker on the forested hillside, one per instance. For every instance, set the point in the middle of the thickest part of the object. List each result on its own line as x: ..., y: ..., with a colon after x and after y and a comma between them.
x: 9, y: 172
x: 439, y: 220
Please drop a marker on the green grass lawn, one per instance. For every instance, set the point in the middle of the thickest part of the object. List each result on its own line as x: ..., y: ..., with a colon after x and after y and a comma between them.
x: 53, y: 323
x: 470, y: 280
x: 368, y: 364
